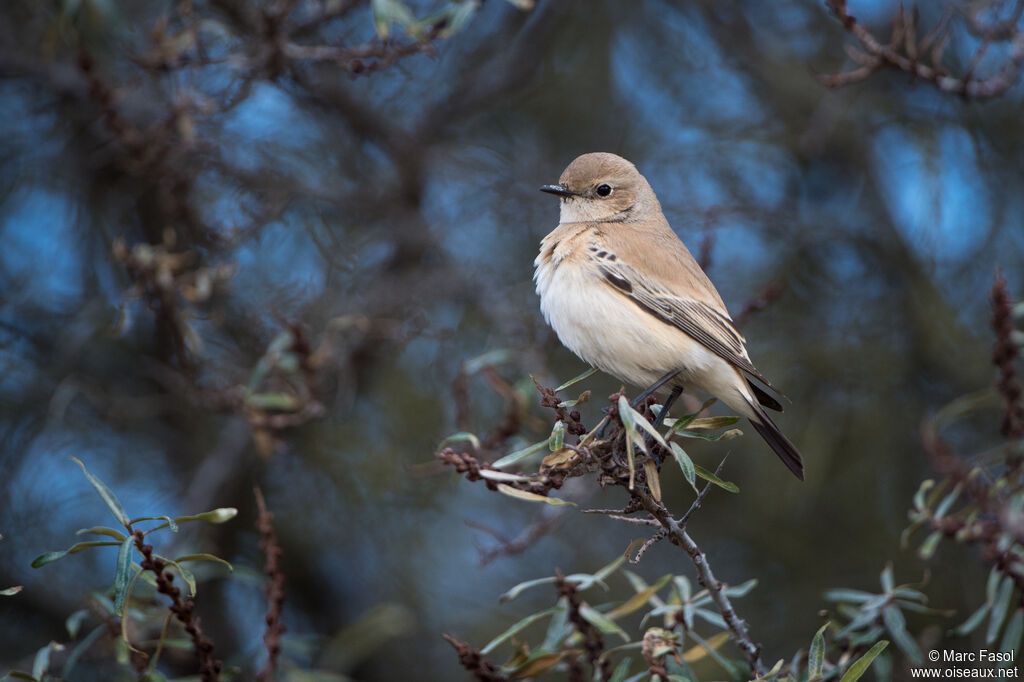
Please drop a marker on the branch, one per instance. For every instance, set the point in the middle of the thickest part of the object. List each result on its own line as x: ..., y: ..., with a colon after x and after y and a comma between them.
x: 274, y: 588
x: 678, y: 536
x: 903, y: 50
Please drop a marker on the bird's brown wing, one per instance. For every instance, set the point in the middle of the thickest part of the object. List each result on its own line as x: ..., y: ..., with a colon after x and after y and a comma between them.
x: 712, y: 328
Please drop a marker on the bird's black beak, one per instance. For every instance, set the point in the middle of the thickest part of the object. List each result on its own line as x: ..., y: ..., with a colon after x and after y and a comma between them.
x: 559, y: 190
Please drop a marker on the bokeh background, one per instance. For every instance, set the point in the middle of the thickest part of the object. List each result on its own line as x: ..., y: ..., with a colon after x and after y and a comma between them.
x: 382, y: 198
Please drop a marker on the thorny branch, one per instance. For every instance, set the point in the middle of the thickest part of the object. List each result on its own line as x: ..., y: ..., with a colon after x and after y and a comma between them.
x: 905, y: 52
x: 996, y: 522
x: 209, y: 667
x: 274, y: 588
x: 607, y: 458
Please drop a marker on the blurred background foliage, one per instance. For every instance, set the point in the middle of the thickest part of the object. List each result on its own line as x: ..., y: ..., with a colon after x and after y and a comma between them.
x: 256, y: 242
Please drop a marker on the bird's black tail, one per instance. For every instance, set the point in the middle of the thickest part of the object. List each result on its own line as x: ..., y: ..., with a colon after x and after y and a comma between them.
x: 778, y: 442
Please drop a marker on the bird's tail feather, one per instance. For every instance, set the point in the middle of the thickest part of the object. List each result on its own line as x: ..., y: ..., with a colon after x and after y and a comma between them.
x: 778, y: 442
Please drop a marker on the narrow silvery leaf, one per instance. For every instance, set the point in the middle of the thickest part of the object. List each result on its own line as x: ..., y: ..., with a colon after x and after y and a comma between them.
x: 640, y: 599
x: 461, y: 436
x: 123, y: 575
x: 49, y: 557
x: 514, y: 457
x: 711, y: 478
x: 532, y: 497
x: 897, y: 627
x: 602, y: 622
x: 525, y: 622
x: 712, y: 422
x: 105, y: 493
x: 575, y: 380
x: 1012, y: 635
x: 492, y: 475
x: 887, y: 579
x: 101, y: 530
x: 653, y: 481
x: 557, y: 439
x: 999, y: 608
x: 861, y: 665
x: 816, y: 655
x: 518, y: 589
x: 972, y: 623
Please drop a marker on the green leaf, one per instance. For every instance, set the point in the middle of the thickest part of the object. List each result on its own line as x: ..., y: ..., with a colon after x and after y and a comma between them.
x: 1014, y: 630
x: 887, y: 580
x: 711, y: 478
x: 741, y: 590
x: 638, y: 600
x: 521, y: 587
x: 712, y: 618
x: 102, y: 530
x: 861, y: 665
x: 387, y: 12
x: 524, y: 623
x: 50, y: 557
x: 582, y: 398
x: 533, y: 497
x: 919, y: 496
x: 186, y: 575
x: 11, y: 591
x: 928, y: 547
x: 816, y: 655
x: 557, y: 438
x: 205, y: 557
x: 575, y: 380
x: 41, y: 662
x: 851, y: 596
x: 947, y: 502
x: 19, y: 675
x: 458, y: 437
x: 74, y: 622
x: 621, y: 670
x: 514, y: 457
x: 686, y: 464
x: 123, y: 575
x: 604, y: 571
x: 508, y: 477
x: 81, y: 648
x: 897, y: 627
x: 168, y: 521
x: 999, y: 608
x: 971, y: 624
x: 491, y: 358
x: 559, y: 627
x: 637, y: 419
x: 771, y: 673
x: 276, y: 401
x: 602, y: 622
x: 712, y: 422
x: 710, y: 646
x: 107, y: 495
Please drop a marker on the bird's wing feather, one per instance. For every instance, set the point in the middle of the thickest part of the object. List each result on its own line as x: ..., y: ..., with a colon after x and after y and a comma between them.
x: 705, y: 324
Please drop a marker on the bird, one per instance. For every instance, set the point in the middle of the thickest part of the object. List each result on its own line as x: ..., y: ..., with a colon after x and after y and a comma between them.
x: 624, y: 294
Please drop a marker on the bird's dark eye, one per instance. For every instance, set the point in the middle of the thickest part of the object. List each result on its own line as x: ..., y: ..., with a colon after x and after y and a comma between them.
x: 604, y: 190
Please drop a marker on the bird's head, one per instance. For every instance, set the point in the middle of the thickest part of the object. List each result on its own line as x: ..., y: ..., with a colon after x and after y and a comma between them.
x: 603, y: 187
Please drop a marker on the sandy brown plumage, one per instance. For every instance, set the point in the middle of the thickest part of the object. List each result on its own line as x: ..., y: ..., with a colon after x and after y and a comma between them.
x: 626, y: 295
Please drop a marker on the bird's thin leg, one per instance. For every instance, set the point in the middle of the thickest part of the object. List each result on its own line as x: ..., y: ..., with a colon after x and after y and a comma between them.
x: 653, y: 387
x: 672, y: 398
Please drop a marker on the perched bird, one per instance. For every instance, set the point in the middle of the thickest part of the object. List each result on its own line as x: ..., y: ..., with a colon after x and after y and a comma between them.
x: 624, y: 294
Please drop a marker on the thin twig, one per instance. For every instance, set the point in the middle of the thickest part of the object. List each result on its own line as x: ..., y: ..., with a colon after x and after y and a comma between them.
x: 274, y: 588
x: 678, y: 536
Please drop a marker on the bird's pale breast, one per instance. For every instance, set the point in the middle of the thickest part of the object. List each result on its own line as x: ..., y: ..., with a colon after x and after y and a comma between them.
x: 609, y: 331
